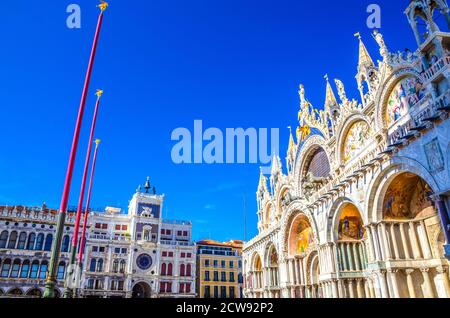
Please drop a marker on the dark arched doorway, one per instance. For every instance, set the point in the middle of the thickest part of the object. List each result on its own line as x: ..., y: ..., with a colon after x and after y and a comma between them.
x: 141, y: 290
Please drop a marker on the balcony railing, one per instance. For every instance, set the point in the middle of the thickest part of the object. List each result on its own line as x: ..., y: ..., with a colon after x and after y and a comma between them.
x: 436, y: 68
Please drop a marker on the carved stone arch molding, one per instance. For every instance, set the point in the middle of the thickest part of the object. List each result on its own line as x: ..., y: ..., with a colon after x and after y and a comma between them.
x: 381, y: 99
x: 380, y: 183
x: 342, y: 134
x: 310, y: 145
x: 266, y: 217
x: 335, y: 212
x: 293, y: 212
x: 279, y: 197
x: 270, y: 244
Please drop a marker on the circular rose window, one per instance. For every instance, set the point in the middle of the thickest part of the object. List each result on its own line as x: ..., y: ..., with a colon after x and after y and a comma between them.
x: 144, y: 261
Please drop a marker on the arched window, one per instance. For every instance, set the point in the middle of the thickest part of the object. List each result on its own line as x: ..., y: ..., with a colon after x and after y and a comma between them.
x: 116, y: 266
x: 15, y: 269
x: 34, y: 269
x: 188, y: 270
x: 39, y: 242
x: 170, y: 269
x: 43, y: 270
x: 22, y: 241
x: 65, y: 244
x: 182, y: 270
x: 93, y: 265
x: 100, y: 265
x: 48, y: 242
x: 61, y: 270
x: 164, y: 269
x: 123, y: 265
x: 25, y: 269
x: 3, y: 239
x: 12, y: 240
x: 31, y: 240
x: 5, y: 268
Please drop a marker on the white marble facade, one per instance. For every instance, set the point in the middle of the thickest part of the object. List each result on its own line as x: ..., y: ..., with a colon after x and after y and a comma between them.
x: 362, y: 208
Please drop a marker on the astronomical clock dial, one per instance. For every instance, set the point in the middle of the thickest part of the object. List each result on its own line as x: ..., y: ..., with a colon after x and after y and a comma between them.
x: 144, y: 262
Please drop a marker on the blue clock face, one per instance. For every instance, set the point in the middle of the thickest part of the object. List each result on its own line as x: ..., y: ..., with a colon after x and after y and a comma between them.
x: 144, y: 261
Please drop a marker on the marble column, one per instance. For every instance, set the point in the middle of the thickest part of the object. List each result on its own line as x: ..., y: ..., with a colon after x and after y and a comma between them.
x: 366, y: 289
x: 383, y: 284
x: 359, y: 288
x: 404, y: 241
x: 410, y: 283
x: 442, y: 276
x: 394, y: 282
x: 423, y: 238
x: 373, y: 256
x: 334, y: 286
x: 415, y: 244
x: 357, y: 257
x: 429, y: 292
x: 351, y: 291
x: 394, y: 241
x: 385, y: 242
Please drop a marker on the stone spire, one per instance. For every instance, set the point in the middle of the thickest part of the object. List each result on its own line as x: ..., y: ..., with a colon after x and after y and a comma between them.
x: 330, y: 98
x: 365, y: 61
x: 262, y: 182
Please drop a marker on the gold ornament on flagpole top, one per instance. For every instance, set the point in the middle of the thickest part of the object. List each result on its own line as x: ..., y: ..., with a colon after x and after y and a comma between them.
x: 358, y: 35
x: 99, y: 93
x: 103, y: 5
x: 97, y: 142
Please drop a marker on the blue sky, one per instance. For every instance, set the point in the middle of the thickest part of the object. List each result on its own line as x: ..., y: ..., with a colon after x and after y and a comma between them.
x: 163, y: 64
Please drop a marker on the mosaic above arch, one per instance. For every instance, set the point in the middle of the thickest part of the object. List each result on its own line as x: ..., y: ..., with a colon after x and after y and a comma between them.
x: 407, y: 93
x: 356, y: 140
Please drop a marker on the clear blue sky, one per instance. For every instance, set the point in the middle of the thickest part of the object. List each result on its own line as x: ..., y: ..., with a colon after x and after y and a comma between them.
x: 163, y: 64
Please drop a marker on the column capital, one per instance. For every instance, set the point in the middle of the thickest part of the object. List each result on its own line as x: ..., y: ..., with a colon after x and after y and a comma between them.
x: 442, y: 269
x: 392, y: 270
x: 409, y: 271
x: 424, y: 269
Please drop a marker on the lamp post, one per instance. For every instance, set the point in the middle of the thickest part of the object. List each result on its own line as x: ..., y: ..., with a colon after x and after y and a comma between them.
x: 86, y: 213
x: 56, y: 247
x: 68, y: 291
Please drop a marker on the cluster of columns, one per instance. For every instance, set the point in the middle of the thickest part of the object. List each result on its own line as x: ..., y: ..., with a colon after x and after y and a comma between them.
x: 399, y: 240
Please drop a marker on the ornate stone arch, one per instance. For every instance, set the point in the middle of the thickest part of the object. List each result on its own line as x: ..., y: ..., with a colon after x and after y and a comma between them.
x: 343, y: 133
x: 382, y: 96
x: 279, y: 197
x: 269, y: 205
x: 335, y: 213
x: 295, y: 211
x: 308, y: 149
x: 380, y: 183
x: 269, y: 247
x: 253, y: 259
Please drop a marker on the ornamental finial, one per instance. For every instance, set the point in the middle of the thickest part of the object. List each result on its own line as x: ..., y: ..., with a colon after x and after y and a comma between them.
x: 99, y: 93
x: 103, y: 5
x: 358, y: 35
x: 97, y: 142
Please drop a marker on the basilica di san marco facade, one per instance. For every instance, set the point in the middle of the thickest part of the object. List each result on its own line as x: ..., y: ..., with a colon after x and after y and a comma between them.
x: 362, y: 210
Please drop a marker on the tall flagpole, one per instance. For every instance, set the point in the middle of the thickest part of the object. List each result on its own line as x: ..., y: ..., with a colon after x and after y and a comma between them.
x: 86, y: 212
x: 68, y: 291
x: 56, y: 247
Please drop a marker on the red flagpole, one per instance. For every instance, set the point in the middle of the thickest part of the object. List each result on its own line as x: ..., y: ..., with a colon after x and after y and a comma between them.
x: 88, y: 202
x: 56, y: 248
x: 68, y: 291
